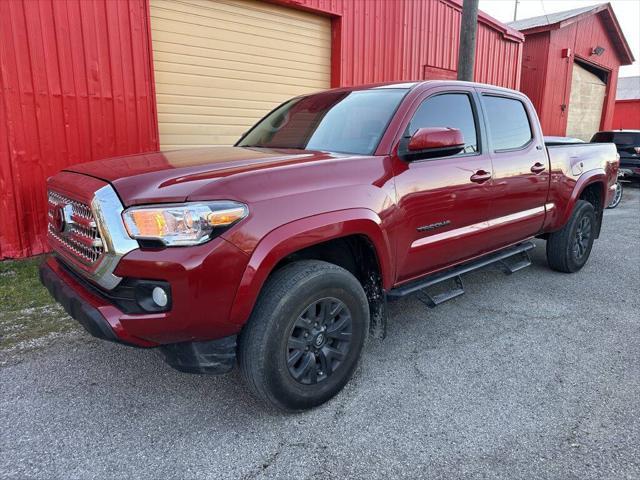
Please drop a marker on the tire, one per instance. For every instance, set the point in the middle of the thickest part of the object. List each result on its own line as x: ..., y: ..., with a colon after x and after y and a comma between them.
x: 320, y: 364
x: 569, y: 249
x: 617, y: 198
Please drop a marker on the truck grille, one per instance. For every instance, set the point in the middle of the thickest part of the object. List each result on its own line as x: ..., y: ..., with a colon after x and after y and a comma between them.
x: 73, y: 229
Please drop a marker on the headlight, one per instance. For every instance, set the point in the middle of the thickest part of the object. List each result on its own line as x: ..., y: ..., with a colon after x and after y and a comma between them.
x: 182, y: 224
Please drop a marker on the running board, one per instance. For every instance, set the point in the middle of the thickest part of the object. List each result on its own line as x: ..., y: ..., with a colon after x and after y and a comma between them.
x: 432, y: 301
x: 520, y: 251
x: 518, y: 264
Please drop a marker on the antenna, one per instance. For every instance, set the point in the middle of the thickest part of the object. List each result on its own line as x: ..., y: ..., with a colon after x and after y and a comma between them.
x: 515, y: 11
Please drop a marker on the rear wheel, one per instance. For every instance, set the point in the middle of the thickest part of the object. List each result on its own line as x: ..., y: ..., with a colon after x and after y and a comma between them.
x: 569, y: 249
x: 305, y: 335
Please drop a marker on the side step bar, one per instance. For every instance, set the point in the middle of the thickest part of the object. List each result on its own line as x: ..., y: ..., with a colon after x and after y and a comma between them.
x: 510, y: 259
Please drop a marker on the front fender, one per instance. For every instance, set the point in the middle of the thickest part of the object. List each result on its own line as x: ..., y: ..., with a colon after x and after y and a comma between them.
x: 297, y: 235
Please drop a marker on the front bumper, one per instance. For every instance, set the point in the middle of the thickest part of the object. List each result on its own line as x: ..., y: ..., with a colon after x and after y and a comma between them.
x: 97, y: 316
x: 103, y: 320
x: 75, y: 305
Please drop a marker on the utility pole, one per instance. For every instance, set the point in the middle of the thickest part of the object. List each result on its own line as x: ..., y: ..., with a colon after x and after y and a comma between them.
x: 467, y: 49
x: 515, y: 11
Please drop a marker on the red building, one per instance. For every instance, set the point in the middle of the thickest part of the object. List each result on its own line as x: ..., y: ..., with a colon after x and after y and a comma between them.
x: 570, y: 68
x: 626, y: 114
x: 83, y: 80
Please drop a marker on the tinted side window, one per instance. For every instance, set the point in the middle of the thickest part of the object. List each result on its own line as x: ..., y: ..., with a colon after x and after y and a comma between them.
x: 448, y: 110
x: 508, y: 122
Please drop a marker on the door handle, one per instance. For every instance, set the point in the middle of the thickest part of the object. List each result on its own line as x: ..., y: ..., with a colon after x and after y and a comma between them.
x: 537, y: 168
x: 480, y: 176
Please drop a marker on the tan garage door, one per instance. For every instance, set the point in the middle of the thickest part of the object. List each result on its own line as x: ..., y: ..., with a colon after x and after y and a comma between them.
x: 220, y: 65
x: 585, y: 104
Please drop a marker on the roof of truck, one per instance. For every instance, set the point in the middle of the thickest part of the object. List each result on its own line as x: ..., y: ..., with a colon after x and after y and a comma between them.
x: 413, y: 85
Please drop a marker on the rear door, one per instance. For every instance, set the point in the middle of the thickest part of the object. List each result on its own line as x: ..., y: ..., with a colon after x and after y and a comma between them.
x: 443, y: 202
x: 520, y: 167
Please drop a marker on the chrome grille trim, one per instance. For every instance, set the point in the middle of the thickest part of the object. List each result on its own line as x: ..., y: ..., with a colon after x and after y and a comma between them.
x: 100, y: 228
x: 83, y: 238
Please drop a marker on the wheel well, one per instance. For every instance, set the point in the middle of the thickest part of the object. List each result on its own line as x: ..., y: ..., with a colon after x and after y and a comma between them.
x: 594, y: 194
x: 356, y: 254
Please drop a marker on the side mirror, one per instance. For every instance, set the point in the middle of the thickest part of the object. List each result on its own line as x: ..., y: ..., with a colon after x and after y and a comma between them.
x: 433, y: 142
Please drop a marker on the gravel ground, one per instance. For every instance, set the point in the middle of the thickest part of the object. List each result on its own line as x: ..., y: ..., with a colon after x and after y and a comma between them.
x: 536, y: 375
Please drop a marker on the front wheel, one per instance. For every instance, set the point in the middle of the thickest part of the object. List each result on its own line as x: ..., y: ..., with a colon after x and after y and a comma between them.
x: 305, y: 335
x: 569, y: 249
x: 617, y: 198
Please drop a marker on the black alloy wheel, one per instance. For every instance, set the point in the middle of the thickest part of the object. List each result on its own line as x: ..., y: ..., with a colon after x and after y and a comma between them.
x: 582, y: 238
x: 569, y: 248
x: 319, y: 341
x: 305, y: 335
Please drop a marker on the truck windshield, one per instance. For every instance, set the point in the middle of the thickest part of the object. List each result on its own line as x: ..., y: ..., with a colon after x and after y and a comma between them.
x: 343, y: 122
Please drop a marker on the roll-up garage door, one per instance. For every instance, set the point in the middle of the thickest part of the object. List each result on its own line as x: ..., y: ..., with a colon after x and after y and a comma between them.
x: 220, y: 65
x: 585, y: 103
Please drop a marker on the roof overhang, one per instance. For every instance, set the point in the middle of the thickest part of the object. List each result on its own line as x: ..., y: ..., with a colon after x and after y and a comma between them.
x: 506, y: 31
x: 611, y: 24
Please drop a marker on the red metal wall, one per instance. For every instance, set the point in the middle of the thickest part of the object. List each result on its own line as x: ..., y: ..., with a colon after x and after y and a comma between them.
x: 626, y: 115
x: 76, y: 81
x: 389, y: 40
x: 75, y: 85
x: 546, y: 75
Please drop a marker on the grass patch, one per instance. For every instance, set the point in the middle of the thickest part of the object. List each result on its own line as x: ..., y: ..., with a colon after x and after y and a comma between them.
x: 27, y: 311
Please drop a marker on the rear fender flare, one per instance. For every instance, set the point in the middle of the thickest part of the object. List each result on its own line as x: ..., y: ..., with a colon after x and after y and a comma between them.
x: 589, y: 178
x: 303, y: 233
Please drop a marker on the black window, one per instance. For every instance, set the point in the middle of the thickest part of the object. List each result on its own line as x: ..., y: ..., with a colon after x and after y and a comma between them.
x: 448, y: 110
x: 509, y: 125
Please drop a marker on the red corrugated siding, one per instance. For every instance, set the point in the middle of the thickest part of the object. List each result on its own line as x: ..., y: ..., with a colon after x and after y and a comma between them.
x: 546, y: 76
x: 77, y: 81
x: 534, y: 67
x: 626, y: 115
x: 390, y: 40
x: 76, y: 85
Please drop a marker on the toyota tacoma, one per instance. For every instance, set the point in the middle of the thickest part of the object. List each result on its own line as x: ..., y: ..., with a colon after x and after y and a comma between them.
x: 280, y: 253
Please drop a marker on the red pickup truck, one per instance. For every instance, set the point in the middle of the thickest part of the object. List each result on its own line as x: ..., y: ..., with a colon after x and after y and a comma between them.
x: 281, y: 252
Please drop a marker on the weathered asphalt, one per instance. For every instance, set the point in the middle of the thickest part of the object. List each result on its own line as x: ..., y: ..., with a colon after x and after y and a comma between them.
x: 536, y: 375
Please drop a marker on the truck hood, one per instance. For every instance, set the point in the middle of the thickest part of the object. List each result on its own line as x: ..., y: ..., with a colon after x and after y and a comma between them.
x: 176, y: 175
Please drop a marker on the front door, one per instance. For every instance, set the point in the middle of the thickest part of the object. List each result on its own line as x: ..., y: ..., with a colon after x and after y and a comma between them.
x: 443, y: 202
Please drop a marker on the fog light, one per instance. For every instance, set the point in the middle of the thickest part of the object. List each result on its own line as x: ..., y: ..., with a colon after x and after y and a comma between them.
x: 160, y: 297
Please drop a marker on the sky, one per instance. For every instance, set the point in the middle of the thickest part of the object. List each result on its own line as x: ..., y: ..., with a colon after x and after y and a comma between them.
x: 627, y: 12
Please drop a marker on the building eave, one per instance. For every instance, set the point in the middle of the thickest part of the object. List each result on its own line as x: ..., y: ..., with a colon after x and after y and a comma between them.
x: 506, y: 31
x: 611, y: 24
